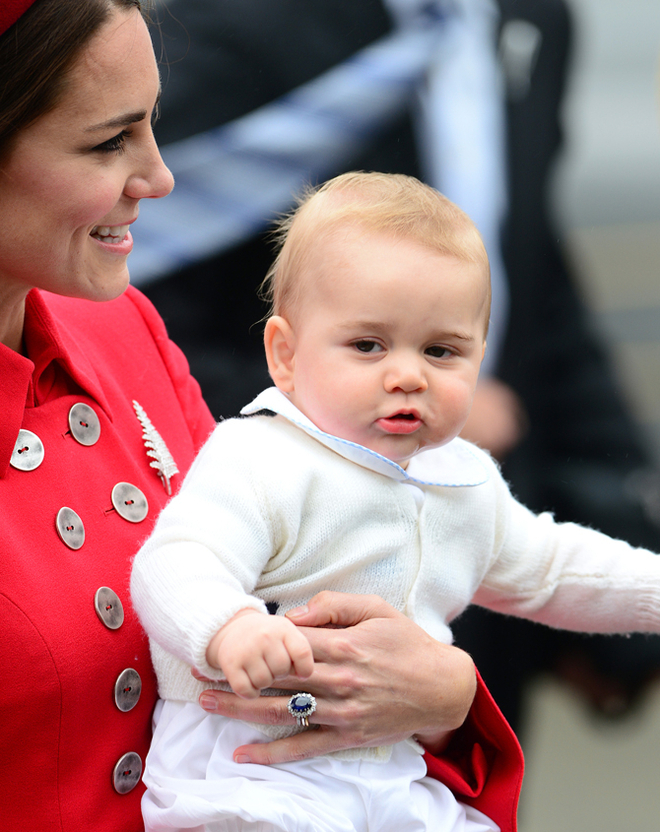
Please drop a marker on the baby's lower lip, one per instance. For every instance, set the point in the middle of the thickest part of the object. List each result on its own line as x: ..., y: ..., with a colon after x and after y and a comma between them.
x: 398, y: 425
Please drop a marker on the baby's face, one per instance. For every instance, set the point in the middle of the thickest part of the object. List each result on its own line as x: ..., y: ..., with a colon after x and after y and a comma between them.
x: 388, y: 340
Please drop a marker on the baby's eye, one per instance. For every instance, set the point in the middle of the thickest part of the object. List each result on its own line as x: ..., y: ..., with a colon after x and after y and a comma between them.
x: 437, y: 351
x: 367, y: 346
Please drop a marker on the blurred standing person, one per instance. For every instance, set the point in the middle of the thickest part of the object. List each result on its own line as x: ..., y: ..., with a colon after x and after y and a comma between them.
x: 583, y: 456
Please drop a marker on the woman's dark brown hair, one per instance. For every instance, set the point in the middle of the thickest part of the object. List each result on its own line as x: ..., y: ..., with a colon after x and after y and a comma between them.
x: 36, y: 54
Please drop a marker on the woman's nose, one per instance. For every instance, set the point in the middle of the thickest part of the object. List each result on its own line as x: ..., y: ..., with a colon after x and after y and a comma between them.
x: 152, y: 179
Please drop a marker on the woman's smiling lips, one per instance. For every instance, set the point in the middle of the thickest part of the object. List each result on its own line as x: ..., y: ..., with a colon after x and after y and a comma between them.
x: 115, y: 238
x: 405, y: 421
x: 110, y: 233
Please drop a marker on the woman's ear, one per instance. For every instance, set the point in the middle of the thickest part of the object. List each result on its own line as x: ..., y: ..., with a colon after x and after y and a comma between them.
x: 279, y: 343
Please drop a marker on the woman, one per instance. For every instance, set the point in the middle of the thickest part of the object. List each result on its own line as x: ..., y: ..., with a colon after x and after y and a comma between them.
x: 100, y: 419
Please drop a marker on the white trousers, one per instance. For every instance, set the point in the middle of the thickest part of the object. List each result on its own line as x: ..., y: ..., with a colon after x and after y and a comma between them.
x: 194, y: 784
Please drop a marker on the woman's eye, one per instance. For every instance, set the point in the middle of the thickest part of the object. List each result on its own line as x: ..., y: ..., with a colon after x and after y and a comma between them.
x: 367, y: 346
x: 438, y: 352
x: 114, y: 145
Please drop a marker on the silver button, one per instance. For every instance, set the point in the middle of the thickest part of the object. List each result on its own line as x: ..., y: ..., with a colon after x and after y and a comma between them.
x: 130, y: 502
x: 84, y: 424
x: 128, y: 688
x: 127, y: 773
x: 109, y: 608
x: 70, y: 528
x: 28, y: 451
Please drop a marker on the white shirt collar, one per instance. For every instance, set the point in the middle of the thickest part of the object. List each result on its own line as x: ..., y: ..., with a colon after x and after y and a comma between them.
x: 455, y: 464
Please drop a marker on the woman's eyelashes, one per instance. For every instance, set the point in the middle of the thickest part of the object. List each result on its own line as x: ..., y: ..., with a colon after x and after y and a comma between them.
x: 116, y: 144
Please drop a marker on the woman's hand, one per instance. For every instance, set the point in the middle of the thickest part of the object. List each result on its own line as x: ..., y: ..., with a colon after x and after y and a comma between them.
x: 378, y: 679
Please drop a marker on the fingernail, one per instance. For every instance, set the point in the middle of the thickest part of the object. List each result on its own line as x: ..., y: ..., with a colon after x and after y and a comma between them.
x: 208, y: 702
x: 242, y: 758
x: 297, y: 612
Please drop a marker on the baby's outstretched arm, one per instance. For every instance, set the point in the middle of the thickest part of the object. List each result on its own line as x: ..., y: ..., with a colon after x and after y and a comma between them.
x: 253, y: 650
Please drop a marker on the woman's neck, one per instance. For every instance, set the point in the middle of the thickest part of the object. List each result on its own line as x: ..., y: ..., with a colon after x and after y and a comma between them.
x: 12, y: 317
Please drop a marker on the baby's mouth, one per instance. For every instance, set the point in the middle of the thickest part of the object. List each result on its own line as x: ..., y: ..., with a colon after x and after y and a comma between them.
x: 109, y: 233
x: 404, y: 422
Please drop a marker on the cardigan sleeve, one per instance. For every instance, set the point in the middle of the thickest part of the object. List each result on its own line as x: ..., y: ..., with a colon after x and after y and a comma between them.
x: 569, y: 576
x: 207, y: 551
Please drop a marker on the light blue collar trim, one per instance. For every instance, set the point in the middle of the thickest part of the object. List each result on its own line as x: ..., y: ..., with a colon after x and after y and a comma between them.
x: 457, y: 463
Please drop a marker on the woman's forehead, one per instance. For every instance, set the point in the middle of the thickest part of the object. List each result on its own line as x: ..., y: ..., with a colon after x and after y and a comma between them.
x: 116, y: 74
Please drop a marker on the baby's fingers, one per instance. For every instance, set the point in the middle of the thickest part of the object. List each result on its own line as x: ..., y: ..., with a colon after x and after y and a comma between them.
x: 300, y: 652
x: 241, y: 682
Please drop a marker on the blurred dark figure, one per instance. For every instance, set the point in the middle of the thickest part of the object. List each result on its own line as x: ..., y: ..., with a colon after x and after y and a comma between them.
x: 582, y: 455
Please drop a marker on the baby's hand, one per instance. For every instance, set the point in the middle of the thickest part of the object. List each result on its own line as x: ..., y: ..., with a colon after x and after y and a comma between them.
x: 253, y: 650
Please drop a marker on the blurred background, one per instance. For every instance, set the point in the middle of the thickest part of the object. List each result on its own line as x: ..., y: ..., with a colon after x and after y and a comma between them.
x: 607, y: 188
x: 585, y: 773
x: 553, y: 146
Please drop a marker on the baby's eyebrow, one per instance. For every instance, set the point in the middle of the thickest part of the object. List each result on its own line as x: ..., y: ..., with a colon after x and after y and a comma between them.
x: 369, y: 326
x: 462, y: 336
x: 378, y: 327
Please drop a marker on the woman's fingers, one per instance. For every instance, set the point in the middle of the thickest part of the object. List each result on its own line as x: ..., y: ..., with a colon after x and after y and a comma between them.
x: 340, y: 609
x: 378, y: 678
x: 265, y: 710
x: 312, y: 743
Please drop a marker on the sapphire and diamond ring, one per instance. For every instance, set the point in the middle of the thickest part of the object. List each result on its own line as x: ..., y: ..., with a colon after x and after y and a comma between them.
x: 301, y: 706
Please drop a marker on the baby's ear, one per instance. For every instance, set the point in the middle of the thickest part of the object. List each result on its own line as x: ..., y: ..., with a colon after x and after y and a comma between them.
x: 279, y: 343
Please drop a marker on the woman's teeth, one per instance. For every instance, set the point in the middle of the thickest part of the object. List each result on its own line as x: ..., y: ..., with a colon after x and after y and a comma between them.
x: 110, y: 233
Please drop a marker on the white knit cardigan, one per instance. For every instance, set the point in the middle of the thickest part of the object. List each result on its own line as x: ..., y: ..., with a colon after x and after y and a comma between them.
x: 273, y: 511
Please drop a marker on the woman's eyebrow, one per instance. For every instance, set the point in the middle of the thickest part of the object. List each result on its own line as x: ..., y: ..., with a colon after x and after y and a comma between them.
x: 120, y: 121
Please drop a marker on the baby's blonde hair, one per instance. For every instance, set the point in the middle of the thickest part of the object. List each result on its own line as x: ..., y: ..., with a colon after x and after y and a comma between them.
x: 390, y: 202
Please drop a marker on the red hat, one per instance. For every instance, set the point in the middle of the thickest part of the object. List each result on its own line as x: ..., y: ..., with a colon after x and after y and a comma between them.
x: 10, y: 11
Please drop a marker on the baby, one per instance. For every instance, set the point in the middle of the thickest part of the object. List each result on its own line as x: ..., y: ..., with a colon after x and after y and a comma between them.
x: 348, y: 475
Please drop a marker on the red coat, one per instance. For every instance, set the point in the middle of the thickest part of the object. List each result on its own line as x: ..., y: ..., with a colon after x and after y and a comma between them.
x: 61, y: 732
x: 483, y: 764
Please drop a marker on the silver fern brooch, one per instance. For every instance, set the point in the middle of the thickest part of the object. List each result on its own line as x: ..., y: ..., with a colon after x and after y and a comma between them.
x: 156, y: 448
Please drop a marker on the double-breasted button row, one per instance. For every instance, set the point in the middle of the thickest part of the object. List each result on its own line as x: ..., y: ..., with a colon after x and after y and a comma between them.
x: 84, y: 425
x: 110, y: 611
x: 29, y: 453
x: 128, y: 501
x: 131, y: 504
x: 128, y: 687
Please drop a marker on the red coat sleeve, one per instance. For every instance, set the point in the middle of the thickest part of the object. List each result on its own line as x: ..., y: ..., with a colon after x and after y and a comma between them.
x: 483, y: 764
